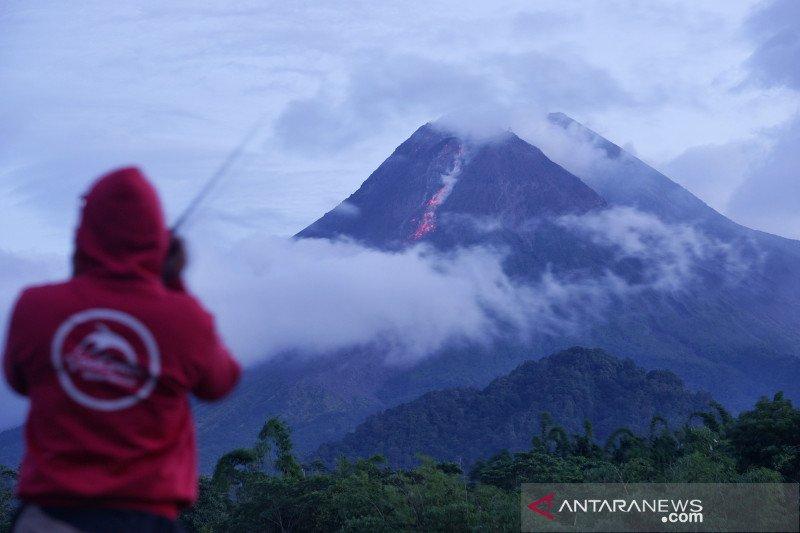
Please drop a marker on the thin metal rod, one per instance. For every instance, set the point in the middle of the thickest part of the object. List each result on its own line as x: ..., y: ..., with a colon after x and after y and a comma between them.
x: 216, y: 177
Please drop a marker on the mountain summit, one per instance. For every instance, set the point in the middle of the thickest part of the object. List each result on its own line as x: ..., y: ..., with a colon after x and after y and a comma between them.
x: 437, y: 185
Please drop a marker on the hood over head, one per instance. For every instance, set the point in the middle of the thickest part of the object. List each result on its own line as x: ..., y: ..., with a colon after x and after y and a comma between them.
x: 122, y: 231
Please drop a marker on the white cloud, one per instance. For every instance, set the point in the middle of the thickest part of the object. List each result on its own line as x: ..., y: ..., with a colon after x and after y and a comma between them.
x: 316, y: 296
x: 775, y: 27
x: 670, y: 254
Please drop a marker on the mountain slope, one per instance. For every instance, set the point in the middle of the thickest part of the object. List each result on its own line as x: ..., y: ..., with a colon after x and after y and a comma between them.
x: 623, y: 179
x: 11, y: 447
x: 753, y: 324
x: 464, y: 425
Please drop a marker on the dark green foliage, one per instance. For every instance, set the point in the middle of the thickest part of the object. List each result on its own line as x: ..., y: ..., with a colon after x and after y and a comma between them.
x: 755, y: 447
x: 7, y: 479
x: 364, y: 495
x: 250, y: 493
x: 275, y: 433
x: 769, y: 437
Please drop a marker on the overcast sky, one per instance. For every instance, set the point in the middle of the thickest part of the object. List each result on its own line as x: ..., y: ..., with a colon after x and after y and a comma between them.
x: 708, y: 92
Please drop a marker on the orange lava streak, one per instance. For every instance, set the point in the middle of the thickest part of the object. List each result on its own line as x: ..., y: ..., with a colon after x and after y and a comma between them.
x: 428, y: 222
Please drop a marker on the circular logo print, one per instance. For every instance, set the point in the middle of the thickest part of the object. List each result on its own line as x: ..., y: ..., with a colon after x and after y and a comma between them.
x: 105, y: 359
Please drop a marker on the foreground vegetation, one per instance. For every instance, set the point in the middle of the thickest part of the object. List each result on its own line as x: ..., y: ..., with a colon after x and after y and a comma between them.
x: 265, y: 488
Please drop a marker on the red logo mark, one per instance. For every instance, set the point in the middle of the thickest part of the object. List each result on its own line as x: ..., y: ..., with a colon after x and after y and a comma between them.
x: 543, y: 505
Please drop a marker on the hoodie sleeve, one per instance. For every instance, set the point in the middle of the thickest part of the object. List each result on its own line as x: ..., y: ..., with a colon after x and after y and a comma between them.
x: 17, y: 348
x: 214, y: 371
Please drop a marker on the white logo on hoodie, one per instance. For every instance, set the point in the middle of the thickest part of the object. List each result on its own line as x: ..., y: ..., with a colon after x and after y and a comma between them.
x: 105, y: 359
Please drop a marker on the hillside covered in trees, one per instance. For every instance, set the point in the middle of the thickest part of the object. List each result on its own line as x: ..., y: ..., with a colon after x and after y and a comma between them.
x: 265, y: 488
x: 464, y: 425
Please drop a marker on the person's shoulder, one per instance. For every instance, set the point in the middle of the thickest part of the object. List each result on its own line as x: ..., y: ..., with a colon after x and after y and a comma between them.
x: 189, y: 308
x: 41, y: 293
x: 33, y: 299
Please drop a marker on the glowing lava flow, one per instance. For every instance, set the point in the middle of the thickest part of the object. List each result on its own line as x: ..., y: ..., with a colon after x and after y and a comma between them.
x: 428, y: 222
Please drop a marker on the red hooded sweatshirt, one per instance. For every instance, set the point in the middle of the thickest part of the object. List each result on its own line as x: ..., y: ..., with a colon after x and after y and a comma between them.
x: 108, y: 360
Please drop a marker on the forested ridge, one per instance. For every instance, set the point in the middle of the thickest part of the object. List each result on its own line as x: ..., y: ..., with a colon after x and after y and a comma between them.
x: 464, y: 425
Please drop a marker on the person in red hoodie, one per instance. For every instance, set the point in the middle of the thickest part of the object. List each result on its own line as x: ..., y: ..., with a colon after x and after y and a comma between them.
x: 108, y: 360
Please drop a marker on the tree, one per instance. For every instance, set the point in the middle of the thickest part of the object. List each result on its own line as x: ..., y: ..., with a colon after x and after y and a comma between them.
x: 769, y: 436
x: 8, y: 478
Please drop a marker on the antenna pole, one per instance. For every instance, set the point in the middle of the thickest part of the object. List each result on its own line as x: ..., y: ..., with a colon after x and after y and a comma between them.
x: 216, y: 177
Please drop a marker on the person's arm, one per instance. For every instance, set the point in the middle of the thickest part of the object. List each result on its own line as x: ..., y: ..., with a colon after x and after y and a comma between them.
x: 16, y: 350
x: 174, y: 264
x: 216, y: 372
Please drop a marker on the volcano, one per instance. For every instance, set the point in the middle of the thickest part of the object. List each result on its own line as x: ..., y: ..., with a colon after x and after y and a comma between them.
x: 436, y: 185
x: 731, y: 327
x: 680, y: 287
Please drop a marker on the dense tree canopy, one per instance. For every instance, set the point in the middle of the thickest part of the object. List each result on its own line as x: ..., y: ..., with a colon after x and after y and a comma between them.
x: 265, y: 488
x: 7, y: 479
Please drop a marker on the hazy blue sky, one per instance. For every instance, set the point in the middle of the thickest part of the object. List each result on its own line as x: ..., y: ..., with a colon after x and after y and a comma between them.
x: 700, y: 89
x: 708, y: 92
